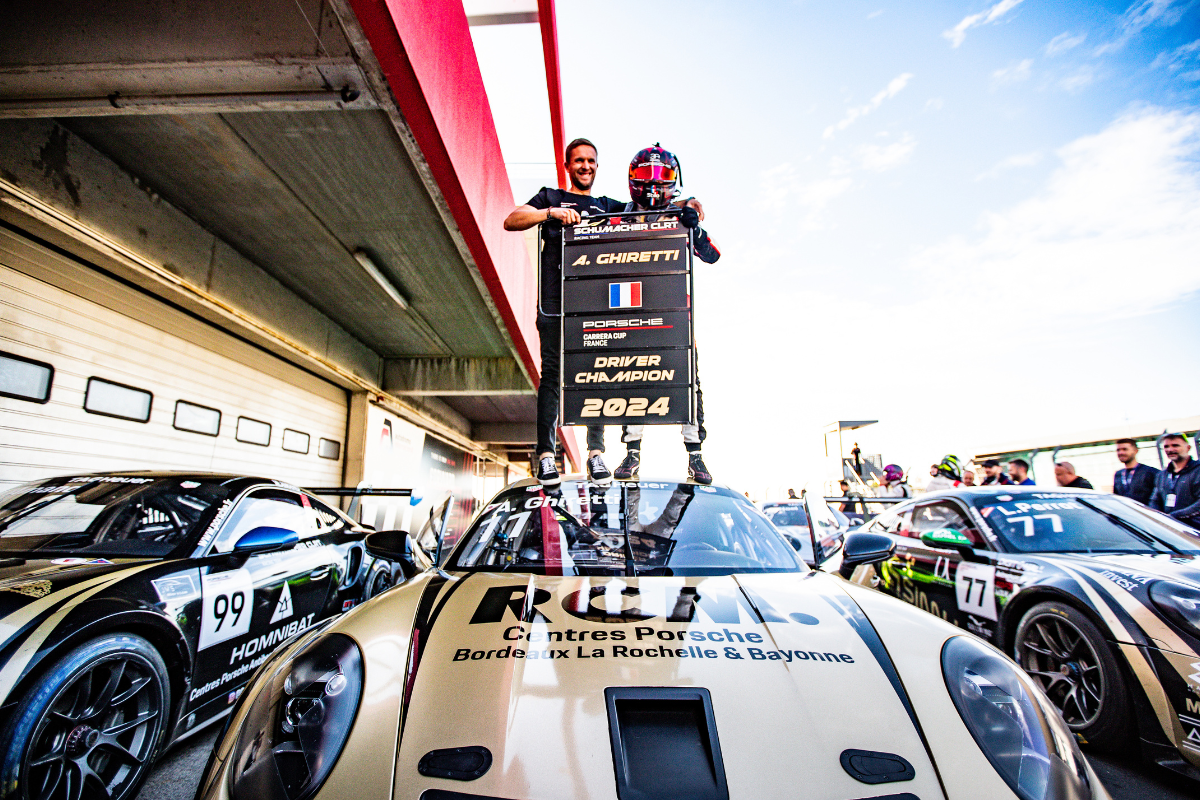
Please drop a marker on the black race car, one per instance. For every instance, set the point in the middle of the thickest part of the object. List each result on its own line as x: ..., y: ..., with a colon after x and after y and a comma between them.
x: 1096, y: 596
x: 134, y: 606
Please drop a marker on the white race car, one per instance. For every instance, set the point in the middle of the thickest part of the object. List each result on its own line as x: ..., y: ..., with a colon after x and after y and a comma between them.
x: 645, y: 640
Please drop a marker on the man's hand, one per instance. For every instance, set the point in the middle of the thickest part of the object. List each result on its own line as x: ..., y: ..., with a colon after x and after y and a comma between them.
x: 526, y: 216
x: 690, y: 217
x: 567, y: 216
x: 692, y: 202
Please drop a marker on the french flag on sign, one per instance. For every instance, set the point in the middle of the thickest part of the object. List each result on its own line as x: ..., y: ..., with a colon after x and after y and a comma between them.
x: 625, y: 295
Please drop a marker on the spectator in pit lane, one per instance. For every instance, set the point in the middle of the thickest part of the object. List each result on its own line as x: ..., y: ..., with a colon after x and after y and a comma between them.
x: 947, y: 475
x: 968, y: 478
x: 1064, y: 473
x: 1018, y: 468
x: 1177, y: 488
x: 1134, y: 480
x: 892, y: 483
x: 933, y: 470
x: 850, y: 505
x: 792, y: 494
x: 556, y: 208
x: 995, y: 475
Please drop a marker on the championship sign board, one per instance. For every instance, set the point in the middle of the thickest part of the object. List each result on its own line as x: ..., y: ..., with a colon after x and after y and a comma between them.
x: 627, y: 343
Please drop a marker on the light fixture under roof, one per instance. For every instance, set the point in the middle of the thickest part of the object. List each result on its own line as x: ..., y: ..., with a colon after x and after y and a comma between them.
x: 367, y: 263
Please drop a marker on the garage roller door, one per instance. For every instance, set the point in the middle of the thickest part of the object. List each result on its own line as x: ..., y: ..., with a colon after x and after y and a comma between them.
x: 210, y: 401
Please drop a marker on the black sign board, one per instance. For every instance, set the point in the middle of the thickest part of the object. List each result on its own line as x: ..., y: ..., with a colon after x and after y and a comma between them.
x: 627, y: 321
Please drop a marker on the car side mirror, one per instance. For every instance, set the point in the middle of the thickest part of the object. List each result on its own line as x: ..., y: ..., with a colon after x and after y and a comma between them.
x: 864, y: 548
x: 264, y: 539
x: 948, y: 538
x: 398, y: 547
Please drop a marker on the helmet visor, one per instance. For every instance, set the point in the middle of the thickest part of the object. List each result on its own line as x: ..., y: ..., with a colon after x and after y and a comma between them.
x: 653, y: 172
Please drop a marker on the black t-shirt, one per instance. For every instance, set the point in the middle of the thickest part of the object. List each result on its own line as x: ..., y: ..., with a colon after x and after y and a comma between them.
x: 586, y: 205
x: 1080, y: 482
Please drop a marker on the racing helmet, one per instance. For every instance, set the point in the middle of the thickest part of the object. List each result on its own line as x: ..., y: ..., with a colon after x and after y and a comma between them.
x: 950, y: 466
x: 893, y: 473
x: 653, y: 177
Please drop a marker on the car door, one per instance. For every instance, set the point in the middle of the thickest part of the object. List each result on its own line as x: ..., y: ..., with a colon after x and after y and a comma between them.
x: 958, y: 590
x: 251, y: 604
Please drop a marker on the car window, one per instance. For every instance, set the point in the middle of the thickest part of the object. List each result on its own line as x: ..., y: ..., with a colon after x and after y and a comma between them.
x: 899, y: 524
x: 275, y: 508
x: 108, y: 515
x: 786, y: 515
x: 934, y: 516
x: 1054, y: 522
x: 667, y: 529
x: 326, y: 519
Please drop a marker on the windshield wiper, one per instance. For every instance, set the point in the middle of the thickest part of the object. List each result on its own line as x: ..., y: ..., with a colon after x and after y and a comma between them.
x: 1129, y: 526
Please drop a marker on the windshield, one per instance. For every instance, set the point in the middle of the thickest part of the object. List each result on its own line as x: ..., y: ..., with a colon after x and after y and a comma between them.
x: 786, y: 514
x: 625, y: 529
x: 107, y: 515
x: 1045, y: 522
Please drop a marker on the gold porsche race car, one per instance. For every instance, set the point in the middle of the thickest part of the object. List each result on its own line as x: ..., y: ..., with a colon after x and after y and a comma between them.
x: 643, y: 640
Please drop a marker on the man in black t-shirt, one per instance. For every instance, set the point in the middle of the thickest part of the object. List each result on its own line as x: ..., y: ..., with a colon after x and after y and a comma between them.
x: 560, y: 208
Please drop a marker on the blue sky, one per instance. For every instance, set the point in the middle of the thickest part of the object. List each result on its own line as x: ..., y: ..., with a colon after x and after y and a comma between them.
x: 975, y: 222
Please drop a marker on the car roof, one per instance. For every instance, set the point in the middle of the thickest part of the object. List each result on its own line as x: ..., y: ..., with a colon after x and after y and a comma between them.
x: 996, y: 491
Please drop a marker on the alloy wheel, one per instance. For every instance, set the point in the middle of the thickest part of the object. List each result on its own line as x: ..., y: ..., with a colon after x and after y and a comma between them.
x: 1059, y: 656
x: 99, y: 734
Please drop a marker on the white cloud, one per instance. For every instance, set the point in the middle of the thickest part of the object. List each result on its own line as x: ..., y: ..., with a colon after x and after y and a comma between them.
x: 1114, y: 232
x: 880, y: 158
x: 783, y: 192
x: 934, y: 104
x: 1183, y: 60
x: 1012, y: 162
x: 1079, y: 79
x: 958, y: 33
x: 1014, y: 73
x: 1064, y: 42
x: 1142, y: 15
x: 875, y: 14
x: 894, y: 87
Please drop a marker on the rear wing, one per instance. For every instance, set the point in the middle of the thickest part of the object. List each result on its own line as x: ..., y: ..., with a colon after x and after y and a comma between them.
x: 356, y: 493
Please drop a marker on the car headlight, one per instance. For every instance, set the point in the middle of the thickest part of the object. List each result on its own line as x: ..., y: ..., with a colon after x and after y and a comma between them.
x: 1014, y: 724
x: 297, y: 725
x: 1180, y: 604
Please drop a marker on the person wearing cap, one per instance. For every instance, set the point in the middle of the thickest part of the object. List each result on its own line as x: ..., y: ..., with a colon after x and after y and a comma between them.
x: 1177, y: 489
x: 1133, y: 480
x: 1064, y: 473
x: 995, y: 475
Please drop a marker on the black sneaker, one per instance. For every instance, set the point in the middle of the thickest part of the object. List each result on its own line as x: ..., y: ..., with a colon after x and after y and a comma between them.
x: 696, y: 469
x: 628, y: 471
x: 597, y: 471
x: 547, y: 473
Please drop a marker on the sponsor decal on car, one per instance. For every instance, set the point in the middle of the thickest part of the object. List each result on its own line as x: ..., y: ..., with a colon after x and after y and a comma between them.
x: 34, y: 589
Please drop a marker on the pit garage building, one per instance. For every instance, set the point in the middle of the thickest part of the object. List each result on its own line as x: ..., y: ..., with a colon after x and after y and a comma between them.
x: 261, y: 236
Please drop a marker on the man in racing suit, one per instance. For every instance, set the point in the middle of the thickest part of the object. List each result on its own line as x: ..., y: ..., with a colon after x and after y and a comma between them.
x: 949, y: 475
x: 653, y: 175
x: 556, y: 208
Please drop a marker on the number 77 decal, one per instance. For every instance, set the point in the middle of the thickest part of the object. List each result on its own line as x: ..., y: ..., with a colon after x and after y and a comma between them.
x: 1055, y: 522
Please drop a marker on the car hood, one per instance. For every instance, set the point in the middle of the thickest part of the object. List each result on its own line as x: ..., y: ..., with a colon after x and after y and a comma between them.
x: 1164, y: 566
x: 40, y: 582
x: 519, y: 664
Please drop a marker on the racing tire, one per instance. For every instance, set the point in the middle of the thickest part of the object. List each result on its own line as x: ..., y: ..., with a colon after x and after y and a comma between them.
x: 380, y: 581
x: 1066, y: 654
x: 91, y: 726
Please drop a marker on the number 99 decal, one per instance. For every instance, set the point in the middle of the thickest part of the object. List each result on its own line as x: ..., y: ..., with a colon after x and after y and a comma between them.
x: 228, y: 601
x: 620, y: 407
